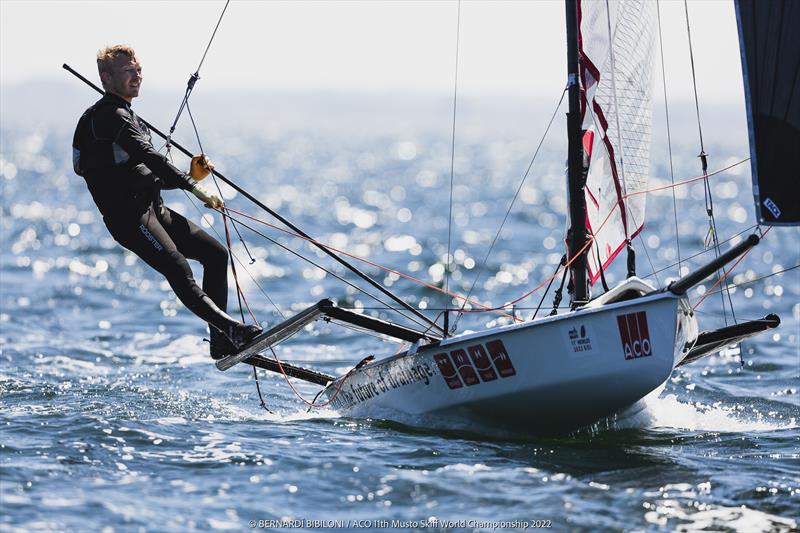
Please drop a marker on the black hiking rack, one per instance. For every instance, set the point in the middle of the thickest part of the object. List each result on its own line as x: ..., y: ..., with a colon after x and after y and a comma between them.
x: 325, y: 310
x: 712, y: 341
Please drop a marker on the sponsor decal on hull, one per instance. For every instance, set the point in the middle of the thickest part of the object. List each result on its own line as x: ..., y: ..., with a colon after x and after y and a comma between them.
x: 464, y: 367
x: 468, y: 366
x: 482, y: 362
x: 489, y: 361
x: 392, y: 377
x: 579, y: 338
x: 447, y: 370
x: 635, y: 335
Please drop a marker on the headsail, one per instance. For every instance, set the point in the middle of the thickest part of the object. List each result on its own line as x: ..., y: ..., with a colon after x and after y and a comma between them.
x: 771, y: 67
x: 616, y: 44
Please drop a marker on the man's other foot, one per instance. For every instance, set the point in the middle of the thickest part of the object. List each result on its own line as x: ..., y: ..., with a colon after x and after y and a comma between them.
x: 220, y: 345
x: 233, y: 340
x: 240, y: 335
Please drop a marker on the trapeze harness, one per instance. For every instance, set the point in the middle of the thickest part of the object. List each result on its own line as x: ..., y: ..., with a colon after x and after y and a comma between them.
x: 113, y: 152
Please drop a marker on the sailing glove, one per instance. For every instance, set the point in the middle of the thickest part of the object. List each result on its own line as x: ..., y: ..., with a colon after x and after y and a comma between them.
x: 200, y: 167
x: 209, y: 199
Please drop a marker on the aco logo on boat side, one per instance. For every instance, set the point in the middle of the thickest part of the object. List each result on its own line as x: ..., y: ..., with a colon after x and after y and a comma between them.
x: 475, y: 364
x: 635, y: 335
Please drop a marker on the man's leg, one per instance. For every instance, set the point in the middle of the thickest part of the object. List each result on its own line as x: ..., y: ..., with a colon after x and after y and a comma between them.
x: 194, y: 243
x: 148, y: 239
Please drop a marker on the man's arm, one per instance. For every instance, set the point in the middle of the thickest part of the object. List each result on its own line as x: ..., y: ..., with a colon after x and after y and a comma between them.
x: 136, y: 142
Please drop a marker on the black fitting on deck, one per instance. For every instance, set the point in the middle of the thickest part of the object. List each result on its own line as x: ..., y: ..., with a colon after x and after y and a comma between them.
x: 682, y: 285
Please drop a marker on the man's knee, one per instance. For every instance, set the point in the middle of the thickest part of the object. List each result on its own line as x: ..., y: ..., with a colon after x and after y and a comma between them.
x: 217, y: 257
x: 176, y: 269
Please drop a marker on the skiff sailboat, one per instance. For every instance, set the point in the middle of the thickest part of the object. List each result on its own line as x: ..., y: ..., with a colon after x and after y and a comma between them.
x: 608, y: 352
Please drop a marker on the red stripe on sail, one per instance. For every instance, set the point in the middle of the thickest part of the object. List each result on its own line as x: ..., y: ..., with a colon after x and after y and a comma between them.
x: 594, y: 276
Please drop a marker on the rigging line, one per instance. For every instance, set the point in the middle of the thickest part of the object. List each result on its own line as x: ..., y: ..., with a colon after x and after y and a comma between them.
x: 213, y: 34
x: 590, y: 241
x: 194, y: 126
x: 241, y: 263
x: 760, y: 278
x: 521, y: 308
x: 486, y: 308
x: 686, y: 181
x: 712, y: 230
x: 510, y: 206
x: 701, y: 252
x: 591, y: 238
x: 333, y: 274
x: 239, y: 295
x: 362, y: 259
x: 239, y: 292
x: 726, y: 273
x: 368, y: 331
x: 312, y: 404
x: 694, y: 80
x: 563, y: 260
x: 192, y: 80
x: 448, y: 259
x: 219, y: 190
x: 669, y: 136
x: 644, y: 246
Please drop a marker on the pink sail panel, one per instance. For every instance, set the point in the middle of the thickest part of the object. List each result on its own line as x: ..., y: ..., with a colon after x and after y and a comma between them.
x: 616, y: 44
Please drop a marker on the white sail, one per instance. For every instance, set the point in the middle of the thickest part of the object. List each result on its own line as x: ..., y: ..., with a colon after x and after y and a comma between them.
x: 616, y: 45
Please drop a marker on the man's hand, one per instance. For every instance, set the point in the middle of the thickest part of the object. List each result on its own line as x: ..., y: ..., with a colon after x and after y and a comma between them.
x: 208, y: 198
x: 200, y: 167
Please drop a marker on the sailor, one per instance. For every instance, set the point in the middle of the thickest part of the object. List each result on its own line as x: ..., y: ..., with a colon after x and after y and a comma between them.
x: 112, y: 150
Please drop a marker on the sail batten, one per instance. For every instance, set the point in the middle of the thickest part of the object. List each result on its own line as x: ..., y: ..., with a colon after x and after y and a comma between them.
x: 616, y: 45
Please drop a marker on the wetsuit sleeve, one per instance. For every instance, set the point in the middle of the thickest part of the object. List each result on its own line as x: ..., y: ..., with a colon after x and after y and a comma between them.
x: 135, y: 140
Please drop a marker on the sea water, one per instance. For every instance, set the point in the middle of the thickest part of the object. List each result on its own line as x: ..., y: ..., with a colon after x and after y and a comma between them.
x: 114, y: 419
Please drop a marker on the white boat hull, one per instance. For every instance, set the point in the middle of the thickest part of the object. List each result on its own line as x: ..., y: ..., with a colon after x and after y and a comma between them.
x: 554, y: 374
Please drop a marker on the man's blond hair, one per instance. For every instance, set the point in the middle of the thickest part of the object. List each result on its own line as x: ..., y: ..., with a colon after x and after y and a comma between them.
x: 107, y: 55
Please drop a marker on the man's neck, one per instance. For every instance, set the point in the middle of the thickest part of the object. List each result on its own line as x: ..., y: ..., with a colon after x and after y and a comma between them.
x: 129, y: 100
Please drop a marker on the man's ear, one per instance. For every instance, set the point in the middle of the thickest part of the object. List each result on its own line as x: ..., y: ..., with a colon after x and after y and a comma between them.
x: 105, y: 79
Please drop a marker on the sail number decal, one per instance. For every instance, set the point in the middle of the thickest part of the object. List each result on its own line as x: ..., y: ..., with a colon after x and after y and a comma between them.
x: 634, y: 335
x: 475, y: 364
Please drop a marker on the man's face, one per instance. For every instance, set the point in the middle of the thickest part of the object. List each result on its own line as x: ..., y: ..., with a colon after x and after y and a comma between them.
x: 125, y: 77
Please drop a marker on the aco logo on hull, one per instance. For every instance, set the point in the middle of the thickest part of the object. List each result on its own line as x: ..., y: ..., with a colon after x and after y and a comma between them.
x: 635, y: 335
x: 475, y: 365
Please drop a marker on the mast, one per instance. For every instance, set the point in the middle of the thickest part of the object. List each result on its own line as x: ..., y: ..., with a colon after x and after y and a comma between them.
x: 576, y: 178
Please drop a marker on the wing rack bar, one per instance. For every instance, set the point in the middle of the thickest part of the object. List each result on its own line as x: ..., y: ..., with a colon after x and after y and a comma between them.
x: 712, y: 341
x: 273, y: 335
x: 327, y: 309
x: 312, y: 376
x: 374, y: 324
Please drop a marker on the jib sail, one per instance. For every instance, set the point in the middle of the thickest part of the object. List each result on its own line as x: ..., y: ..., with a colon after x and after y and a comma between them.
x: 616, y: 43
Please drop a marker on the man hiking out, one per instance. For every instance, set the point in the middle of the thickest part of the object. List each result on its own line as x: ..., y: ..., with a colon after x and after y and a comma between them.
x: 113, y: 152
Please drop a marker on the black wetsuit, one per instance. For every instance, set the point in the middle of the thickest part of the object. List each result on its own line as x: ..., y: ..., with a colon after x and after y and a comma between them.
x: 113, y: 151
